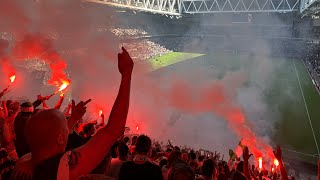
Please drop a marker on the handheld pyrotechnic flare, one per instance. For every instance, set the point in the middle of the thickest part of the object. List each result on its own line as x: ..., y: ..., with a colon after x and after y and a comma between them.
x: 100, y: 113
x: 276, y: 162
x: 260, y: 162
x: 61, y: 88
x: 12, y: 78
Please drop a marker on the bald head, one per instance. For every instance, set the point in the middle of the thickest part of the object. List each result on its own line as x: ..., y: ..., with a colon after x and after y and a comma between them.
x: 47, y: 130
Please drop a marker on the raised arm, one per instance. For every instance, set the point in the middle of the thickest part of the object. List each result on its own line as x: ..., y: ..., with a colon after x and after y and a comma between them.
x: 44, y: 105
x: 39, y: 100
x: 5, y: 109
x: 59, y: 103
x: 278, y: 155
x: 92, y: 153
x: 3, y: 92
x: 246, y: 157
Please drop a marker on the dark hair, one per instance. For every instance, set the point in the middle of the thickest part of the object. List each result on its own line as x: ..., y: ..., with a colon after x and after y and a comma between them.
x: 173, y: 156
x: 192, y: 155
x: 201, y: 158
x: 143, y: 144
x: 237, y: 175
x: 163, y: 162
x: 123, y: 150
x: 176, y: 148
x: 126, y: 139
x: 88, y: 127
x: 180, y: 171
x: 240, y: 166
x: 222, y: 177
x: 208, y: 168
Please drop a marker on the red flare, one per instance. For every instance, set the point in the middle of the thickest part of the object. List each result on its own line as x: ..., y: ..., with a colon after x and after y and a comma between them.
x: 276, y: 162
x: 12, y: 78
x: 100, y: 112
x: 260, y: 162
x: 64, y: 85
x: 137, y: 128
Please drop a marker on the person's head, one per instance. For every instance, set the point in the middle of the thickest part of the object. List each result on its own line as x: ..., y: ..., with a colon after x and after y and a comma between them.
x: 180, y: 171
x: 240, y: 166
x: 89, y: 129
x: 173, y: 156
x: 237, y: 175
x: 8, y: 103
x: 126, y: 139
x: 176, y: 148
x: 27, y: 108
x: 192, y: 156
x: 143, y: 145
x: 14, y: 106
x: 184, y: 157
x: 163, y: 162
x: 200, y: 158
x: 208, y: 168
x: 47, y: 133
x: 122, y: 151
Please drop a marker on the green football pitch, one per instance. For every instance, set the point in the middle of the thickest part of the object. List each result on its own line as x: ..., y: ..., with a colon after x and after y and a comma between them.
x: 291, y: 98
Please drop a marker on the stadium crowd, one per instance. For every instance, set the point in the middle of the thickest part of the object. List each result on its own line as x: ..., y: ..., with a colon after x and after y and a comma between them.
x: 46, y: 143
x: 312, y: 61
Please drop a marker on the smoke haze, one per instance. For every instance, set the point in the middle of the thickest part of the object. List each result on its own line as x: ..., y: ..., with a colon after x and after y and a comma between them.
x: 189, y: 104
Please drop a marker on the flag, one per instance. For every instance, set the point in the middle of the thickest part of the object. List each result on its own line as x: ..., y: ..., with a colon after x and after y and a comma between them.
x: 232, y: 155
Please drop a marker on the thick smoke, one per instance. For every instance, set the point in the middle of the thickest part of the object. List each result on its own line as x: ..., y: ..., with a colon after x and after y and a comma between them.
x: 191, y: 106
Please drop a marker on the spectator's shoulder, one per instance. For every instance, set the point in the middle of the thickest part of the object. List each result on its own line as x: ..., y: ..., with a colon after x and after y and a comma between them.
x: 127, y: 164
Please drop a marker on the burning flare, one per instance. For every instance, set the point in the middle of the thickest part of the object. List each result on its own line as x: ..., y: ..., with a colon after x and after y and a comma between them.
x: 137, y: 128
x: 260, y: 162
x: 100, y: 112
x: 276, y: 162
x: 12, y: 78
x: 64, y: 86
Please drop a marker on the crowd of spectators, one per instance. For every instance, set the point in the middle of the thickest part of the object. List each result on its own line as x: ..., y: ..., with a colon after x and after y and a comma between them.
x: 312, y: 61
x: 47, y: 143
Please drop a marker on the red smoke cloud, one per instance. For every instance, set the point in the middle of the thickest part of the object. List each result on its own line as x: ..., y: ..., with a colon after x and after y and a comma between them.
x: 219, y: 99
x: 37, y: 46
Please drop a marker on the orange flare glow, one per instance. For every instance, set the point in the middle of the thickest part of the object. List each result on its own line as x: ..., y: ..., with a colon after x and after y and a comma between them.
x: 137, y: 128
x: 272, y: 169
x: 260, y: 162
x: 100, y: 112
x: 276, y: 162
x: 12, y: 78
x: 62, y: 94
x: 64, y: 85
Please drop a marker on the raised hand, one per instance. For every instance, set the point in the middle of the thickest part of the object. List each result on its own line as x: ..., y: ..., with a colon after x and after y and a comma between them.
x: 246, y: 155
x: 125, y: 63
x: 278, y: 153
x: 77, y: 111
x: 39, y: 97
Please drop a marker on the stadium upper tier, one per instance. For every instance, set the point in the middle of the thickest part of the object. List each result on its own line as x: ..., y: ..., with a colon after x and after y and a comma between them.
x: 179, y: 7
